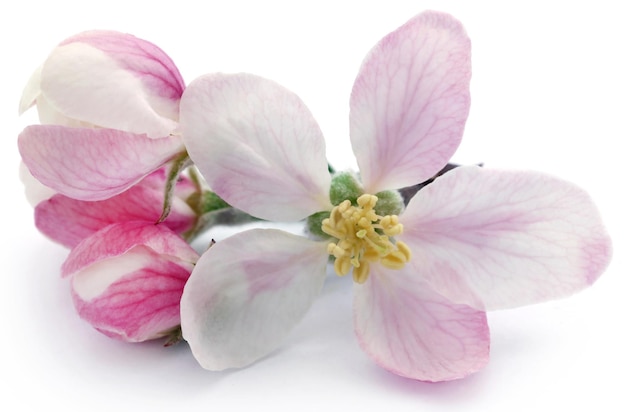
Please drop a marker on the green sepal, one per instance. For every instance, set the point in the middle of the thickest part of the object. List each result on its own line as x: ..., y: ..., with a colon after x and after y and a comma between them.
x: 212, y: 202
x: 314, y: 224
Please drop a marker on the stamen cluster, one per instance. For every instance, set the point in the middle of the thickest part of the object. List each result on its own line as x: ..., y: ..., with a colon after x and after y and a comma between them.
x: 364, y: 237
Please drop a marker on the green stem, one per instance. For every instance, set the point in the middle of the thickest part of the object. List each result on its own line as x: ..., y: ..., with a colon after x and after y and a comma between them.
x: 179, y: 163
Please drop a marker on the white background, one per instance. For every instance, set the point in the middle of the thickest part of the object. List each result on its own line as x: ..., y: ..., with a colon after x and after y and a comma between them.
x: 548, y: 94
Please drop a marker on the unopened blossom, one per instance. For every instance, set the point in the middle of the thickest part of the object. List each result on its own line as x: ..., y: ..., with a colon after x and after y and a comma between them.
x: 68, y: 221
x: 127, y: 279
x: 108, y: 103
x: 471, y: 241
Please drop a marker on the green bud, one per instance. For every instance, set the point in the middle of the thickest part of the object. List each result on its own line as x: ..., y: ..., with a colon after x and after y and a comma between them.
x: 390, y: 202
x: 345, y: 186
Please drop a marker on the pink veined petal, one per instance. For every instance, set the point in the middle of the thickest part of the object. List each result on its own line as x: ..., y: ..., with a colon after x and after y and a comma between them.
x: 68, y: 221
x: 155, y: 68
x: 412, y: 331
x: 114, y: 80
x: 92, y: 164
x: 136, y: 306
x: 257, y: 145
x: 128, y: 235
x: 410, y: 102
x: 499, y: 239
x: 247, y: 292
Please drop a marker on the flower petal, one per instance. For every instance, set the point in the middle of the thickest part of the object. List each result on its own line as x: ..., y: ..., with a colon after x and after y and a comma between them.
x: 499, y: 239
x: 114, y: 80
x: 247, y: 292
x: 48, y: 114
x: 411, y: 330
x: 31, y: 91
x: 68, y: 221
x: 257, y: 145
x: 127, y: 235
x: 92, y: 164
x: 410, y: 101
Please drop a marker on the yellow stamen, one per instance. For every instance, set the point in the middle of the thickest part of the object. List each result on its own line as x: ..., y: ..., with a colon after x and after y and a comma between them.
x: 363, y: 237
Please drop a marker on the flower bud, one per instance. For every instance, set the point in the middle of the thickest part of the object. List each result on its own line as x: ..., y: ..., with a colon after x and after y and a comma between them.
x: 107, y: 79
x: 127, y: 279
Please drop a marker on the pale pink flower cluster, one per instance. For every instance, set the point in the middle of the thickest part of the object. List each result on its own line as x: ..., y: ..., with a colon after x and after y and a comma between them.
x: 425, y: 273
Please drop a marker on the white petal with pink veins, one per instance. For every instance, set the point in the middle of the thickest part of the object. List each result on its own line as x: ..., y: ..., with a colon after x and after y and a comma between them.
x: 90, y: 85
x: 257, y: 145
x: 499, y: 239
x: 247, y: 292
x: 411, y: 330
x: 410, y: 101
x: 92, y: 164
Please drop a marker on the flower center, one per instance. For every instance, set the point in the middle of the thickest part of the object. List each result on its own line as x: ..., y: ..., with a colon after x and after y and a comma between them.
x: 363, y: 237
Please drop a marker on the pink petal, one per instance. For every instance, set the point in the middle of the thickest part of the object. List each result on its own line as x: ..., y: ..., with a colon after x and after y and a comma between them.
x: 412, y: 331
x: 410, y: 101
x: 114, y: 80
x: 68, y: 221
x: 499, y: 239
x: 92, y: 164
x: 132, y: 292
x: 247, y: 292
x: 257, y: 145
x: 127, y: 235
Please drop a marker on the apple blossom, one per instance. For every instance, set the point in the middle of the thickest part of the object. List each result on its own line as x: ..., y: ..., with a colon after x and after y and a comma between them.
x: 127, y: 279
x: 471, y: 241
x: 109, y: 105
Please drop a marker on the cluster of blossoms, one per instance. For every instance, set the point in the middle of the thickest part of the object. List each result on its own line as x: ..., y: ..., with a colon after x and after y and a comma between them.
x: 129, y: 165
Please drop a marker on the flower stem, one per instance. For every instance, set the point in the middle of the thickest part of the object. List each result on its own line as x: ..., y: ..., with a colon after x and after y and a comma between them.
x: 179, y: 163
x: 410, y: 191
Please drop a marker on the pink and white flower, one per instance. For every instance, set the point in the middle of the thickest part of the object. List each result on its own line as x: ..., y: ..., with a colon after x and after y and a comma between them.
x: 471, y: 241
x: 68, y: 221
x: 109, y: 105
x: 127, y: 279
